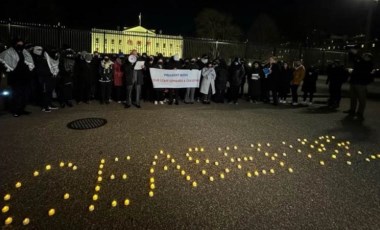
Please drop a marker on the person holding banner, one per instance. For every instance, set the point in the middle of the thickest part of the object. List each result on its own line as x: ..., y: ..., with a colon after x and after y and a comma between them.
x: 174, y: 64
x: 208, y: 82
x: 190, y: 92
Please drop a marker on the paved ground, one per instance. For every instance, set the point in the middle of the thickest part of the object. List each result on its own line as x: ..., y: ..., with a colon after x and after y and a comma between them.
x: 272, y: 190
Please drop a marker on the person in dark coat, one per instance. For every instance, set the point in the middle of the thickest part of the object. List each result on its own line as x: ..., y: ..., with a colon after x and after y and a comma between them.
x: 286, y: 77
x: 361, y: 76
x: 65, y: 83
x: 236, y: 74
x: 221, y: 80
x: 174, y: 63
x: 45, y: 75
x: 255, y: 76
x: 94, y: 89
x: 309, y: 86
x: 159, y: 92
x: 134, y: 78
x: 18, y: 63
x: 106, y: 79
x: 336, y: 76
x: 84, y: 73
x: 148, y: 83
x: 274, y: 78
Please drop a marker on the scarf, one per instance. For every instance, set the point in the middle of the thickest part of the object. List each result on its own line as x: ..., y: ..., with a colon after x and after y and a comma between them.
x: 10, y: 59
x: 53, y: 64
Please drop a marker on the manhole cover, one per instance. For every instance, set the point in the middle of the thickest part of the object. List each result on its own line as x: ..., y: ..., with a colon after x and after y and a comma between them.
x: 87, y: 123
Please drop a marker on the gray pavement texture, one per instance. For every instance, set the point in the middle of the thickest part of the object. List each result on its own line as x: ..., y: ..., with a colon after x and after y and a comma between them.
x: 298, y: 193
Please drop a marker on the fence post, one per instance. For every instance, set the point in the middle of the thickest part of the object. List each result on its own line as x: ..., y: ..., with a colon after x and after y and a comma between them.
x: 9, y: 28
x: 59, y: 36
x: 104, y: 42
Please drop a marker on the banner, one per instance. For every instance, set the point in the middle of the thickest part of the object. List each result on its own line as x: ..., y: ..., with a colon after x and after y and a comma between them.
x: 176, y: 78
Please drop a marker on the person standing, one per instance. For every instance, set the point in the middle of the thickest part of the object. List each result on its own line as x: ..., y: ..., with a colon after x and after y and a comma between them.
x: 274, y: 78
x: 65, y: 84
x: 221, y: 80
x: 174, y: 64
x: 106, y: 78
x: 309, y: 86
x: 285, y: 78
x: 361, y: 76
x: 336, y: 76
x: 19, y: 63
x: 298, y: 76
x: 208, y: 82
x: 236, y: 75
x: 254, y: 82
x: 190, y: 92
x: 118, y: 77
x: 46, y: 70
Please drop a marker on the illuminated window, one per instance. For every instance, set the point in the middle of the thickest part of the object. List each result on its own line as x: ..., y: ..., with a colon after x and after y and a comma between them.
x: 373, y: 45
x: 139, y: 43
x: 130, y: 42
x: 96, y: 40
x: 363, y: 46
x: 148, y: 43
x: 119, y: 42
x: 112, y: 41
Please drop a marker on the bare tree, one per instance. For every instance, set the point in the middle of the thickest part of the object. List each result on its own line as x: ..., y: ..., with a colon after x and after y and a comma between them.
x: 213, y: 24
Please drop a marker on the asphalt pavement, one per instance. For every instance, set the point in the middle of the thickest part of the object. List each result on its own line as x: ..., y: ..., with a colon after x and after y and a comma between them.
x: 218, y: 166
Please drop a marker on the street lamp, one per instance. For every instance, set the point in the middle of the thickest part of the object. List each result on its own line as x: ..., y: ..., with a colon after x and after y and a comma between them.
x: 369, y: 21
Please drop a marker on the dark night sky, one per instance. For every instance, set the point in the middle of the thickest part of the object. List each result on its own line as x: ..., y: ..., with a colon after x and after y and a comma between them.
x: 294, y: 17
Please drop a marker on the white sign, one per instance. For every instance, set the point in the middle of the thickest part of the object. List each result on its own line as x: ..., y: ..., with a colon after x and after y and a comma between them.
x: 176, y: 78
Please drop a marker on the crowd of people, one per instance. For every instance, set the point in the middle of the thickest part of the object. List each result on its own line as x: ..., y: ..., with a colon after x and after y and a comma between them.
x: 36, y: 73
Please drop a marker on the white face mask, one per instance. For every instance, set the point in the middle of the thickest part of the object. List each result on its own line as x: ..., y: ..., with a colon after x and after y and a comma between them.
x: 37, y: 52
x: 204, y: 60
x: 88, y: 61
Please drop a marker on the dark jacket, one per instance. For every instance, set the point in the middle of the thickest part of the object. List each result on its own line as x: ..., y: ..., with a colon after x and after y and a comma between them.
x: 362, y: 73
x: 221, y: 77
x: 286, y: 77
x: 236, y: 73
x: 128, y: 72
x: 336, y: 75
x: 310, y: 81
x: 274, y: 76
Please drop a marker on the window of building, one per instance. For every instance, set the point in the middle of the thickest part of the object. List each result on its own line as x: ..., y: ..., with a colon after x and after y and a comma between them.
x: 119, y: 42
x: 112, y: 51
x: 139, y: 43
x: 112, y: 41
x: 157, y: 45
x: 96, y: 40
x: 171, y: 46
x: 105, y: 41
x: 148, y: 43
x: 164, y: 45
x: 130, y: 42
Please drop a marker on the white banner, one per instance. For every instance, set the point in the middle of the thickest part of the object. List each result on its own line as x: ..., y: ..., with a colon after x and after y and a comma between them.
x: 176, y: 78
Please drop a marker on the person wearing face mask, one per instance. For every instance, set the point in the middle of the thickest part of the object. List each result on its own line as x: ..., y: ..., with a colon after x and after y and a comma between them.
x: 148, y: 84
x: 201, y: 64
x: 65, y: 84
x: 131, y: 81
x: 158, y: 92
x: 221, y: 80
x: 236, y: 75
x: 174, y: 64
x: 95, y: 62
x: 106, y: 78
x: 208, y: 82
x: 18, y: 64
x: 84, y: 73
x: 254, y: 82
x: 190, y: 92
x: 274, y: 78
x: 118, y: 77
x: 46, y: 70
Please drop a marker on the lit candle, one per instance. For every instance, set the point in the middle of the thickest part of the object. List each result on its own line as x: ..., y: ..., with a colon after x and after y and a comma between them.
x: 51, y: 212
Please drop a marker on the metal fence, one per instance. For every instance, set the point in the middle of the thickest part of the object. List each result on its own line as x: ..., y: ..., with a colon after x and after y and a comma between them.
x: 59, y: 36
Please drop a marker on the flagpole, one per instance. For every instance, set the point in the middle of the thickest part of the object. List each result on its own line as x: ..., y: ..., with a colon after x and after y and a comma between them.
x: 140, y: 19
